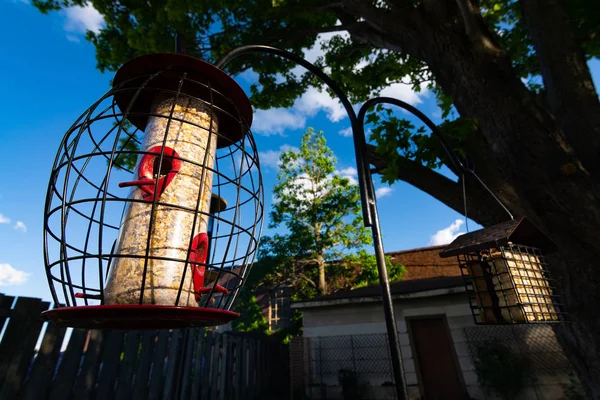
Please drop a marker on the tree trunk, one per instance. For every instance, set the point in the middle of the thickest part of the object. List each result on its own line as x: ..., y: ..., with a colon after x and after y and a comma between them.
x: 556, y: 192
x: 567, y: 80
x: 530, y: 155
x: 322, y: 282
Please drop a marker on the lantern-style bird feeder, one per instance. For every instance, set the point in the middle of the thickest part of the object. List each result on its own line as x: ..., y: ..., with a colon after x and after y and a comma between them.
x: 168, y: 243
x: 506, y: 275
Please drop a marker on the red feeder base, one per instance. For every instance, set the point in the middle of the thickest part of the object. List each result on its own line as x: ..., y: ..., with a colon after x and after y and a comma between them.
x: 143, y: 316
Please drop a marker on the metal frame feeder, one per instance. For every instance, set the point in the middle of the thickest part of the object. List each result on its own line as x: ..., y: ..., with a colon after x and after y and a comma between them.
x: 169, y: 244
x: 506, y: 274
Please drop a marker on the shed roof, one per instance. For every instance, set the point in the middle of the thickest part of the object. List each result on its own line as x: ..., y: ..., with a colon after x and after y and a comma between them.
x: 519, y: 231
x: 397, y: 288
x: 425, y: 262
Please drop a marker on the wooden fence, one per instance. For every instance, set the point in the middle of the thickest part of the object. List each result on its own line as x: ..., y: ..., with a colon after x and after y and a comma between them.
x: 132, y: 365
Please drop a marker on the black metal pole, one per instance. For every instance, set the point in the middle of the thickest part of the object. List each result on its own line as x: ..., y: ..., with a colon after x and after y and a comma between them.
x: 386, y: 295
x: 368, y: 200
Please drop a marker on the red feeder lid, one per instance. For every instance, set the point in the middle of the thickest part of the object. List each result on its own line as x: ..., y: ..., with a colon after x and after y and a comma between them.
x: 135, y: 72
x: 139, y: 316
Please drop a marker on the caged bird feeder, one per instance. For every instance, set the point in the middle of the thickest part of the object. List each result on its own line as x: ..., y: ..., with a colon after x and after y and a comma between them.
x: 506, y: 275
x: 168, y: 243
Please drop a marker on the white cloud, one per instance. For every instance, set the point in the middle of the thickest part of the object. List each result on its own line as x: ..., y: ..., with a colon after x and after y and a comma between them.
x: 383, y: 191
x: 304, y: 188
x: 73, y: 38
x: 82, y: 19
x: 275, y: 121
x: 270, y: 158
x: 346, y: 132
x: 301, y: 187
x: 315, y: 100
x: 448, y: 234
x: 4, y: 220
x: 349, y: 173
x: 20, y: 226
x: 404, y: 92
x: 10, y: 276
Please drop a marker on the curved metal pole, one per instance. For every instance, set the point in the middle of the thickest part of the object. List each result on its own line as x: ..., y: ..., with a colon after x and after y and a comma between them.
x: 359, y: 141
x: 458, y: 165
x: 367, y: 195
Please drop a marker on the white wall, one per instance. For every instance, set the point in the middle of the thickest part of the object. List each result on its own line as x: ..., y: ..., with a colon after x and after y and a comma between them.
x: 364, y: 319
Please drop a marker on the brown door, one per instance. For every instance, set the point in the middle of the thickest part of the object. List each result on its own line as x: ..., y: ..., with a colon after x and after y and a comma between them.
x: 434, y: 355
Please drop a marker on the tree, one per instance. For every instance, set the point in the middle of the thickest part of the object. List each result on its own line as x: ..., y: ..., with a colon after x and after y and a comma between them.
x: 251, y: 318
x: 536, y: 144
x: 321, y: 213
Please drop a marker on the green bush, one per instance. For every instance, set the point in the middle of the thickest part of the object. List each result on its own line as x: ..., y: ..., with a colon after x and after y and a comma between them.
x: 502, y: 371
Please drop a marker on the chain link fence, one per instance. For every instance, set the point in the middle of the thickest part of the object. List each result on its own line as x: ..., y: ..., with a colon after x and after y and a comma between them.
x: 550, y: 369
x: 350, y: 366
x: 536, y: 342
x: 357, y: 367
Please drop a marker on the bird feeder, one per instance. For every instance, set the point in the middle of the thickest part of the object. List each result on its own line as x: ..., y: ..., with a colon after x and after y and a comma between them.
x: 506, y: 275
x: 167, y: 243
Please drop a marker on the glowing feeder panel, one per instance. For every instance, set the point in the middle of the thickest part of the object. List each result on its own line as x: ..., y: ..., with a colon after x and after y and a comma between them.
x: 506, y: 274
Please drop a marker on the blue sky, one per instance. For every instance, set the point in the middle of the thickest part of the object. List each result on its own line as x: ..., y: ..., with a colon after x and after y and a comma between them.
x: 48, y: 77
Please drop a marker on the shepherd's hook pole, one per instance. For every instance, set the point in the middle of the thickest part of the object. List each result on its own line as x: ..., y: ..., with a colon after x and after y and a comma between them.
x: 367, y: 197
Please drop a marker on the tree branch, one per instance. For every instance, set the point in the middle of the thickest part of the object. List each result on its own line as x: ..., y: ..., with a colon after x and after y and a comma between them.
x: 290, y: 36
x: 373, y: 31
x: 480, y: 207
x: 307, y: 279
x: 569, y: 87
x: 475, y: 28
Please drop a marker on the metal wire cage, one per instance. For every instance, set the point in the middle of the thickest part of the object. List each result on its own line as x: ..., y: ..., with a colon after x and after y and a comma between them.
x: 507, y: 283
x: 155, y: 202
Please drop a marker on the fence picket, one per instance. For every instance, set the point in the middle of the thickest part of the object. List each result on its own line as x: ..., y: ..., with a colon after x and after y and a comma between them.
x: 142, y: 374
x: 216, y: 367
x: 187, y: 365
x: 198, y: 364
x: 158, y: 365
x: 21, y: 360
x: 238, y: 380
x: 10, y: 345
x: 251, y: 369
x: 209, y: 350
x: 110, y: 364
x: 128, y: 365
x: 85, y: 384
x: 225, y: 379
x: 5, y: 303
x: 172, y: 364
x: 62, y: 387
x: 40, y: 377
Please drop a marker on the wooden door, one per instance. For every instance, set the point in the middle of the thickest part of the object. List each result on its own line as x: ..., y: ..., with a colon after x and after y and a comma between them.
x: 435, y: 360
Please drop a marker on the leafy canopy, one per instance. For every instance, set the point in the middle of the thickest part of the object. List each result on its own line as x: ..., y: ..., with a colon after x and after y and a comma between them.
x: 213, y: 27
